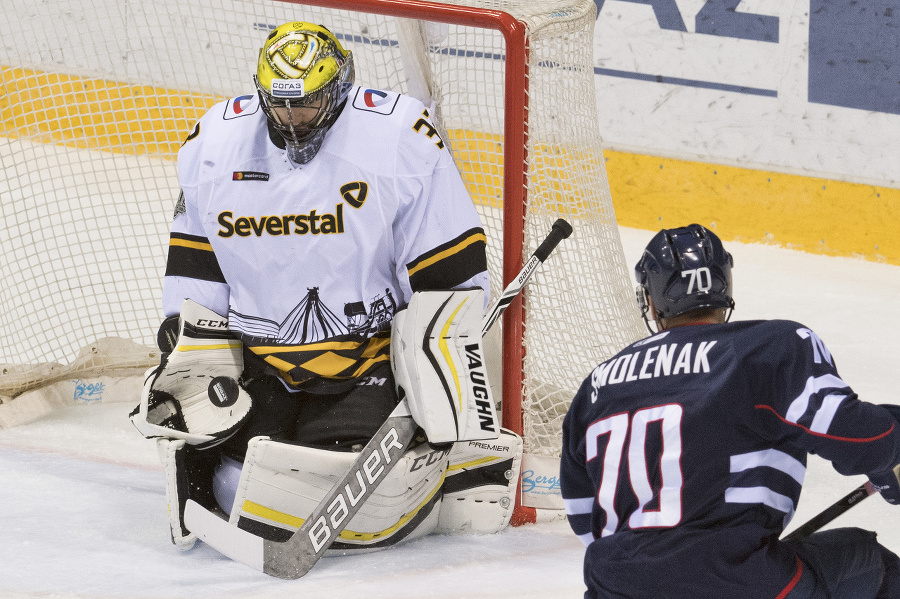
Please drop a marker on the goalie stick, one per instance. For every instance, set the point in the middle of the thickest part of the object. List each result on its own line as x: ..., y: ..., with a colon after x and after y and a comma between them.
x: 295, y: 557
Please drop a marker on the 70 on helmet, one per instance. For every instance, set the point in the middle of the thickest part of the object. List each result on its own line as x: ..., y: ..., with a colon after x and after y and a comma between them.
x: 682, y: 270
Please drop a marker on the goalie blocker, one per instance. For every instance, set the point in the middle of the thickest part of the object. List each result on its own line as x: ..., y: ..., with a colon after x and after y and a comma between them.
x: 438, y: 363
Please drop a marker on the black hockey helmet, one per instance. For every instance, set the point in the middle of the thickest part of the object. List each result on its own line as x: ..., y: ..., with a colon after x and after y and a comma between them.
x: 682, y: 270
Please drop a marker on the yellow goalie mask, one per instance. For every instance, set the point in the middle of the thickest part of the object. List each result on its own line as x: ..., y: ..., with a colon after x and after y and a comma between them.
x: 303, y: 77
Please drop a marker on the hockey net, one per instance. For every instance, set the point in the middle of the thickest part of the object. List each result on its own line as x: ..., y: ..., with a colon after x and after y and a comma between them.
x: 94, y: 109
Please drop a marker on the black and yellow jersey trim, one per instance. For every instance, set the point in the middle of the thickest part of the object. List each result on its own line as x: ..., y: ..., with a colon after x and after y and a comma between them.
x: 450, y: 264
x: 192, y: 256
x: 340, y: 358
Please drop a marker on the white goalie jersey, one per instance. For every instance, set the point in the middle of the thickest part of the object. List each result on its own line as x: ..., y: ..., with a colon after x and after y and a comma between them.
x: 311, y: 262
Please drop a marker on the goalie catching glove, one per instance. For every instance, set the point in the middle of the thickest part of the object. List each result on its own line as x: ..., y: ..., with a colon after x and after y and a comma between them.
x: 194, y: 393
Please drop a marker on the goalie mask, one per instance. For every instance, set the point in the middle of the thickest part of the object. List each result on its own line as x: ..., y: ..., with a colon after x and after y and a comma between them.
x: 303, y: 77
x: 681, y: 270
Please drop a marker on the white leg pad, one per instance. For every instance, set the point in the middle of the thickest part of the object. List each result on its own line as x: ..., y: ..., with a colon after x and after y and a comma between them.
x: 281, y: 484
x: 480, y: 487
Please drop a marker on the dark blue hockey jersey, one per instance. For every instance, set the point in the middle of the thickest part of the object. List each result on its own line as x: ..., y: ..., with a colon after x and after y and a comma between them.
x: 684, y: 455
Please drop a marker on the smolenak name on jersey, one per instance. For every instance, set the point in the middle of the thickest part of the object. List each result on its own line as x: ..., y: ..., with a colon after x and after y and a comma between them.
x: 657, y: 361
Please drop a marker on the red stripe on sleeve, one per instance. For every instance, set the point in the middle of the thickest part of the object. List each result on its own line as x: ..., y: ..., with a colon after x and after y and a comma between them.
x: 826, y: 436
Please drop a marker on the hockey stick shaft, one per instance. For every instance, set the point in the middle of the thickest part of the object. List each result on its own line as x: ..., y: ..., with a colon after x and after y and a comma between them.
x: 830, y: 513
x: 295, y: 557
x: 561, y: 229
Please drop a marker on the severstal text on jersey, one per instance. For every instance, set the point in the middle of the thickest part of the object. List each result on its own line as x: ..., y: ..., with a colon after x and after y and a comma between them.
x: 286, y: 224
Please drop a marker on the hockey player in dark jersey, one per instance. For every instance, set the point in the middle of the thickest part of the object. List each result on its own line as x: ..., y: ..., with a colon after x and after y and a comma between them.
x: 684, y: 455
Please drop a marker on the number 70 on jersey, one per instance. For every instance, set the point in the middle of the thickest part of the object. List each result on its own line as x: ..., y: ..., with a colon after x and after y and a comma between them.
x: 668, y: 511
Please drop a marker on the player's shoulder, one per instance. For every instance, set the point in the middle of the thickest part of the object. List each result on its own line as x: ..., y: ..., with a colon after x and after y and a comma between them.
x: 772, y: 331
x: 745, y: 330
x: 773, y: 344
x: 398, y: 122
x: 225, y: 117
x: 380, y: 105
x: 765, y: 340
x: 225, y: 127
x: 795, y: 339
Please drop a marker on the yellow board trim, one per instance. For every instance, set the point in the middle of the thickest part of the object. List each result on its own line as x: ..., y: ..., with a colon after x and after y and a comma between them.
x: 806, y: 213
x: 97, y: 114
x: 811, y: 214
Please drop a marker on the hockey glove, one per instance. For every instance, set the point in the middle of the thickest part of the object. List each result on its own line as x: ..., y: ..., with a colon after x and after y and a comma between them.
x: 888, y: 482
x: 194, y: 393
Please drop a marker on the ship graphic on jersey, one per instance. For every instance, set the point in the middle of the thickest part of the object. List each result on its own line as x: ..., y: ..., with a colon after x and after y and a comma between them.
x: 377, y: 318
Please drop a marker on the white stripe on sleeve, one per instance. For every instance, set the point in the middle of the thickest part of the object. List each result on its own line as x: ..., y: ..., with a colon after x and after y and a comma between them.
x: 771, y: 458
x: 582, y: 505
x: 763, y: 495
x: 800, y: 404
x: 826, y: 413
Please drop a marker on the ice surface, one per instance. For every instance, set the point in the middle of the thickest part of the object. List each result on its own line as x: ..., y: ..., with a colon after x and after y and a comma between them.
x: 82, y: 493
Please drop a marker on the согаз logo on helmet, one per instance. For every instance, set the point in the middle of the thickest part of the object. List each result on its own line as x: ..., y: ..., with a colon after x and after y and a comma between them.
x: 288, y: 88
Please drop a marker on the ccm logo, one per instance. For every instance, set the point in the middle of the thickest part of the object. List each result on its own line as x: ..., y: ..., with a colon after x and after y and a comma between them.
x: 212, y: 324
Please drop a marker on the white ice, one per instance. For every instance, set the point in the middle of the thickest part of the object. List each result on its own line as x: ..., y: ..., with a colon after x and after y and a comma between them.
x: 82, y: 509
